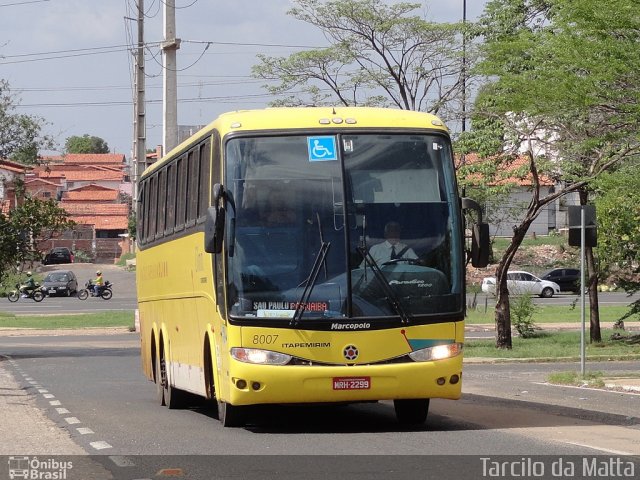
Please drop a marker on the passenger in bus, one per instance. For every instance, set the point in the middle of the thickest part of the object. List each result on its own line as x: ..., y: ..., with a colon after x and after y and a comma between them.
x: 392, y: 248
x: 279, y: 212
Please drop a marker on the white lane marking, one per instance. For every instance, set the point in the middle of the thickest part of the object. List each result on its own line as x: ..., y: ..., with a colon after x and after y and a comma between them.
x: 48, y: 395
x: 608, y: 450
x: 100, y: 445
x: 72, y: 420
x: 62, y: 410
x: 55, y: 403
x: 84, y: 431
x: 610, y: 390
x: 43, y: 391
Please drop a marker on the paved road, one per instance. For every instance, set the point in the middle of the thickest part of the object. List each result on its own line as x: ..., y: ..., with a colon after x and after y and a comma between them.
x: 604, y: 298
x: 91, y: 387
x: 124, y: 293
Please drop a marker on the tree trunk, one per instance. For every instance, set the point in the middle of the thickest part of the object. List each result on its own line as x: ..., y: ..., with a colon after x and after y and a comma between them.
x: 592, y: 285
x: 503, y: 308
x: 503, y: 321
x: 594, y: 310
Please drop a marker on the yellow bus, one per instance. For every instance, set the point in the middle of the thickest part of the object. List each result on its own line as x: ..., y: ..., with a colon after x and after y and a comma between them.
x: 306, y: 255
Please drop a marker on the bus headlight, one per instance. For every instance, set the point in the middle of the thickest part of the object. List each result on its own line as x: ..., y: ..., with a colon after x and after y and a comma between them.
x: 439, y: 352
x: 261, y: 357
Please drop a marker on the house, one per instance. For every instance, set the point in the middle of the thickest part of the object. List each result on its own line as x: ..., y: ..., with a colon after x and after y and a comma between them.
x: 11, y: 173
x: 95, y: 189
x: 503, y: 213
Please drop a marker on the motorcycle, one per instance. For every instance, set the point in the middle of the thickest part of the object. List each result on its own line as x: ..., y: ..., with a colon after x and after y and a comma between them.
x: 37, y: 295
x: 104, y: 291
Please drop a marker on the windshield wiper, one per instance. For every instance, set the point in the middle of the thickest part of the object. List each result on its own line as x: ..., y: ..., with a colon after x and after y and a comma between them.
x: 393, y: 299
x: 311, y: 281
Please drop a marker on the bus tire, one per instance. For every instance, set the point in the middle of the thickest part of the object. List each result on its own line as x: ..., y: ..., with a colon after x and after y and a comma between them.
x: 412, y: 411
x: 159, y: 386
x: 172, y: 397
x: 230, y: 415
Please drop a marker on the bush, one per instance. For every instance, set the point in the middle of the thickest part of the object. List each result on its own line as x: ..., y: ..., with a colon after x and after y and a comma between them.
x: 80, y: 256
x: 123, y: 259
x: 522, y: 310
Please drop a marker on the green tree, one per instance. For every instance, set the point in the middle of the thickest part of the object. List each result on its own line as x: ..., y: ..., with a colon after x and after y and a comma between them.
x: 379, y: 55
x: 85, y: 144
x: 30, y: 221
x: 564, y: 87
x: 132, y: 226
x: 21, y: 137
x: 617, y: 200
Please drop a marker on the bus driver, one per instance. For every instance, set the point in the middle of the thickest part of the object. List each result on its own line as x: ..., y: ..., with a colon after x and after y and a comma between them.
x: 392, y: 248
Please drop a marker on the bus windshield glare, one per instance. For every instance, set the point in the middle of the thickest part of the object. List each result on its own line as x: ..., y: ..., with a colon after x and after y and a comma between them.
x: 359, y: 225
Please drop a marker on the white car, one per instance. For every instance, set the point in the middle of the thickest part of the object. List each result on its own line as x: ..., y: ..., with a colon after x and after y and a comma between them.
x: 519, y: 283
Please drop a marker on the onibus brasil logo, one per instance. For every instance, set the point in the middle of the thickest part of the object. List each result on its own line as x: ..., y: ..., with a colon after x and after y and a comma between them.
x: 36, y: 469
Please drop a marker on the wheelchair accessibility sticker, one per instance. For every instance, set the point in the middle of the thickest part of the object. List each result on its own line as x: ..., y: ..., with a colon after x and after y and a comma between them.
x: 322, y: 149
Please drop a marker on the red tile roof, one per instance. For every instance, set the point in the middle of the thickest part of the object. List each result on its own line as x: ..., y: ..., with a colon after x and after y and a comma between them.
x: 507, y: 173
x: 108, y: 196
x: 14, y: 166
x: 95, y: 209
x: 35, y: 181
x: 86, y: 158
x: 94, y: 175
x: 102, y: 222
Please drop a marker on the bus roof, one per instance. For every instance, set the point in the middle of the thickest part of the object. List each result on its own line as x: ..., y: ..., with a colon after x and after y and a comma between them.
x: 291, y: 118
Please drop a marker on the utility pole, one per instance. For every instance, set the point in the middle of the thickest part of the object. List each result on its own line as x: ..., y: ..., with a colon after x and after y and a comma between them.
x: 140, y: 148
x: 464, y: 66
x: 170, y: 93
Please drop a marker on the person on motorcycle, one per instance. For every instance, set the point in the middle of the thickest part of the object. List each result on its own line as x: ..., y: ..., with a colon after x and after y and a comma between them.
x: 28, y: 286
x: 98, y: 283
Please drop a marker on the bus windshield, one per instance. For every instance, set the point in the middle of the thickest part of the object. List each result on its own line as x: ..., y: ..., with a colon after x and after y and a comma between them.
x: 359, y: 225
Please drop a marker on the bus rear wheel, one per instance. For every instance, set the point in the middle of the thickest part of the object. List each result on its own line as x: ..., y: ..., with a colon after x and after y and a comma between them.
x: 168, y: 395
x: 230, y: 415
x: 412, y: 411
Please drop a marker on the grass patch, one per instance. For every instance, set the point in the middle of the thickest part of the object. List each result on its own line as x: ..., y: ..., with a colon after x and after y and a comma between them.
x: 590, y: 379
x: 548, y: 314
x: 553, y: 345
x: 52, y: 322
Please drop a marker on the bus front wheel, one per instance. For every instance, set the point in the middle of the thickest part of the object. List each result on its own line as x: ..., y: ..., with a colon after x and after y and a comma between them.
x: 230, y: 415
x: 411, y: 411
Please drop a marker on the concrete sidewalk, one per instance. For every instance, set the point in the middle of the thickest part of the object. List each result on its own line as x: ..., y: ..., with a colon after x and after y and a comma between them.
x: 26, y: 430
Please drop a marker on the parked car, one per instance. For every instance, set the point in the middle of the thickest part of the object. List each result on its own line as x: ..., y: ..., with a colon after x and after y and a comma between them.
x: 60, y: 282
x: 567, y: 278
x: 519, y: 283
x: 58, y: 255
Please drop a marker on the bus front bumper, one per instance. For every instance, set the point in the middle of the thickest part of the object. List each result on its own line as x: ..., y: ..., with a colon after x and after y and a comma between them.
x: 261, y: 384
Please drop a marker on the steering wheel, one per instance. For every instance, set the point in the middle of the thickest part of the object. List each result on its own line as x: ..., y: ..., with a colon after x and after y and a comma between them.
x: 410, y: 261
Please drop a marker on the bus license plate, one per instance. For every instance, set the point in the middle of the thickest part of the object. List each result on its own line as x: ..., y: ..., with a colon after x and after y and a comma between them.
x: 351, y: 383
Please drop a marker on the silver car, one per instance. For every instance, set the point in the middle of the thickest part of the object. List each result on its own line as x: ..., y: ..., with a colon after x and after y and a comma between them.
x: 519, y: 283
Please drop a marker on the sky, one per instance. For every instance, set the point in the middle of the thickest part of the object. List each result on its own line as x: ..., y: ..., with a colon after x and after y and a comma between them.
x: 70, y: 62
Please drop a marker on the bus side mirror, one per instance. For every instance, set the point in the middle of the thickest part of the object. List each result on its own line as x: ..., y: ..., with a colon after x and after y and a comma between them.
x: 214, y: 224
x: 480, y: 245
x: 480, y: 241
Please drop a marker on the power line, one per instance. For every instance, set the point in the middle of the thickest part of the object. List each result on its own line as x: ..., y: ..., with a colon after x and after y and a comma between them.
x: 128, y: 87
x: 78, y: 52
x: 116, y: 103
x: 21, y: 3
